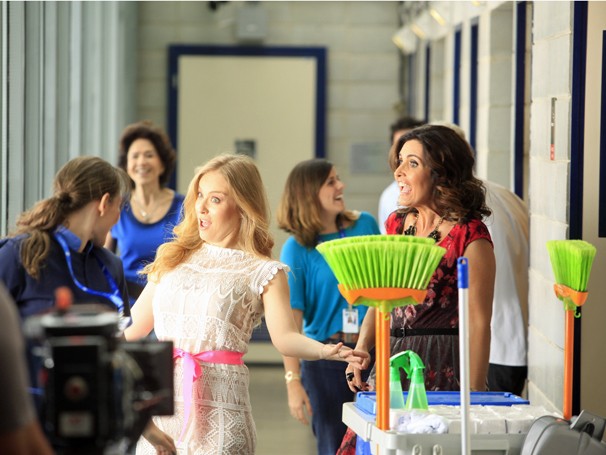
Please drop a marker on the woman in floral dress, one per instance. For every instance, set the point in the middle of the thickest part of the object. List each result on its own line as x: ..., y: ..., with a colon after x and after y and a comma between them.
x: 433, y: 167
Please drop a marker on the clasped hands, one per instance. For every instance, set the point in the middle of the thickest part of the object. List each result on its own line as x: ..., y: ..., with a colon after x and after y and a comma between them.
x: 359, y: 359
x: 353, y: 375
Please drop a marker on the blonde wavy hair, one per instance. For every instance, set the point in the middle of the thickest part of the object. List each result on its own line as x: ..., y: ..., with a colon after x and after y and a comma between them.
x: 247, y: 189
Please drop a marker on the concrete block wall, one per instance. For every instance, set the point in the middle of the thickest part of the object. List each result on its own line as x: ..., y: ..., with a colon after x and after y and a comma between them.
x: 494, y: 130
x: 548, y: 194
x: 363, y: 66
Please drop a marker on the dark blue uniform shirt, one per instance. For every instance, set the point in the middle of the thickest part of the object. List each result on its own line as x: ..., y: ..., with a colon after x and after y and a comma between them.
x: 33, y: 296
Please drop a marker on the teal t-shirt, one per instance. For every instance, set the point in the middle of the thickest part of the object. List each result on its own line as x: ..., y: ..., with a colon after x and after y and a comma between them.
x: 313, y: 286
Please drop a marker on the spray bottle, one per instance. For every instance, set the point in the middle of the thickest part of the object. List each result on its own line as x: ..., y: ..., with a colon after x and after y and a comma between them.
x: 414, y: 367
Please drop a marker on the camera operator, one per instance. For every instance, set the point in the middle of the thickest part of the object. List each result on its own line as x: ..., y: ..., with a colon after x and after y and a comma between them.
x: 20, y: 432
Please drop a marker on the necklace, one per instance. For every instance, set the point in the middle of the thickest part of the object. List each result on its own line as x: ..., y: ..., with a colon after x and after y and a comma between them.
x: 435, y: 234
x: 144, y: 214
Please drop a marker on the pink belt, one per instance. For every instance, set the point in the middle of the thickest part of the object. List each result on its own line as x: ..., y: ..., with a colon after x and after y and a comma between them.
x: 192, y: 371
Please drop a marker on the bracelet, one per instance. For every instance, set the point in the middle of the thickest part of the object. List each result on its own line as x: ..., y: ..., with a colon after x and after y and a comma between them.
x: 290, y: 376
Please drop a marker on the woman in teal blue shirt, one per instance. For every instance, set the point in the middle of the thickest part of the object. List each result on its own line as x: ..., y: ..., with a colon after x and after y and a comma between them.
x: 313, y: 210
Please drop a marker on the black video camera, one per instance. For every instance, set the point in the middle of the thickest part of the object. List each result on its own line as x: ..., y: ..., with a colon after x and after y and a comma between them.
x: 99, y: 390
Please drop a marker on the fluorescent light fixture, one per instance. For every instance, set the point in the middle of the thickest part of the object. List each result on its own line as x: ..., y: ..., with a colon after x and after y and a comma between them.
x: 430, y: 25
x: 437, y: 16
x: 418, y: 31
x: 406, y: 40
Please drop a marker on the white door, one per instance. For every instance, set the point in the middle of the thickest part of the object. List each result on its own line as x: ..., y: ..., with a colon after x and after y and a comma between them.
x: 265, y: 104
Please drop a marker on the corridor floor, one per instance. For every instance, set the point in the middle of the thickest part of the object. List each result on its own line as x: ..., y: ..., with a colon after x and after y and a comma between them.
x: 277, y: 432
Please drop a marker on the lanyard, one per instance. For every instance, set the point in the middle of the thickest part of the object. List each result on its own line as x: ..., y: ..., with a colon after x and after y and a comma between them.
x: 114, y: 296
x: 342, y: 235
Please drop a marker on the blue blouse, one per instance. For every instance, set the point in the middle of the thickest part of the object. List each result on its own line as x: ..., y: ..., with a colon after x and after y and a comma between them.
x: 313, y: 286
x: 137, y: 242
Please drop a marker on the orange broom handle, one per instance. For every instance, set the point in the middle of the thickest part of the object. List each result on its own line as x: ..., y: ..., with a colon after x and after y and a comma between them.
x: 568, y: 363
x: 572, y: 300
x: 382, y: 353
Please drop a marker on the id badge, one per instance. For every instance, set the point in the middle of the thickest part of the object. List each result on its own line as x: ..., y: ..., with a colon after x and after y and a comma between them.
x: 350, y: 320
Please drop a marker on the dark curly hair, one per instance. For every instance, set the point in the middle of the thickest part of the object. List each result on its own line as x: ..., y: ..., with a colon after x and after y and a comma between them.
x: 458, y: 195
x: 156, y: 135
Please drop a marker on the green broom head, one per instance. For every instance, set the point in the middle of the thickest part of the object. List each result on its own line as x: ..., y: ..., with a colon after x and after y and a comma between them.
x: 571, y: 261
x: 382, y: 261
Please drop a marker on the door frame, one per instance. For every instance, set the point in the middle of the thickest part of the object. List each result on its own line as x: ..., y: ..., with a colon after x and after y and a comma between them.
x: 176, y: 51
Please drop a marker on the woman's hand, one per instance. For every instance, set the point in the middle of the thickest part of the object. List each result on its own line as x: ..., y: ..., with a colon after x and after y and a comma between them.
x: 162, y: 442
x: 360, y: 359
x: 298, y: 402
x: 353, y: 376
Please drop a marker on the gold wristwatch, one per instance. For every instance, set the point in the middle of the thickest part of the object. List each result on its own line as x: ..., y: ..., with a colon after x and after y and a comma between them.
x: 290, y: 376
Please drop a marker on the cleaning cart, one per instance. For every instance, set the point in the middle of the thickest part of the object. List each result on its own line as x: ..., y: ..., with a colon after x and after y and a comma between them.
x: 372, y: 440
x: 476, y: 423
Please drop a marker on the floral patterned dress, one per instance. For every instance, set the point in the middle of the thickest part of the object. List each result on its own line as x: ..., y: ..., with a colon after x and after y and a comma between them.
x: 440, y: 353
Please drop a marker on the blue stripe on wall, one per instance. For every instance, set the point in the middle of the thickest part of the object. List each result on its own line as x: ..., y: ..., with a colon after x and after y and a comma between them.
x: 579, y: 57
x: 473, y: 86
x: 602, y: 174
x: 520, y: 78
x: 427, y: 81
x: 412, y: 103
x: 577, y: 131
x: 456, y: 101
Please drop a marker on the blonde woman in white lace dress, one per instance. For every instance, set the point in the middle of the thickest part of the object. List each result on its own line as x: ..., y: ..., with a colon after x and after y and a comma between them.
x: 206, y: 291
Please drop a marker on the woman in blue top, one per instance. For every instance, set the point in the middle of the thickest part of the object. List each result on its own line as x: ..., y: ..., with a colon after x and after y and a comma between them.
x: 148, y: 217
x: 313, y: 210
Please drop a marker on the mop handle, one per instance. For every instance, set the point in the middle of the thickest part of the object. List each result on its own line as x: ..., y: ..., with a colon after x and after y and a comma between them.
x: 463, y: 283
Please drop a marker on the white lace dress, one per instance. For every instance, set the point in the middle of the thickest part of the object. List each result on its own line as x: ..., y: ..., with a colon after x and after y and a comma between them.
x: 211, y: 303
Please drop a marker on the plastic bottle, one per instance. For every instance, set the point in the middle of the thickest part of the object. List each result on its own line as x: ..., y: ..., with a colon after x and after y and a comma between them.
x: 397, y: 361
x: 414, y: 368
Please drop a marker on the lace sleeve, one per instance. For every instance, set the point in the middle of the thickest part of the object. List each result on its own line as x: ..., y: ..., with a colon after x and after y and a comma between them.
x: 269, y: 272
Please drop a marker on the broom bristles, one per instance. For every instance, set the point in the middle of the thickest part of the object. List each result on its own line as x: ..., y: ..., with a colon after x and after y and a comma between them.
x: 382, y: 261
x: 571, y: 261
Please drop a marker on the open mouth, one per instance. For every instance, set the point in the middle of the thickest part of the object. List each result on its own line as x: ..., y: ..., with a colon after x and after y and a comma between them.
x: 404, y: 189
